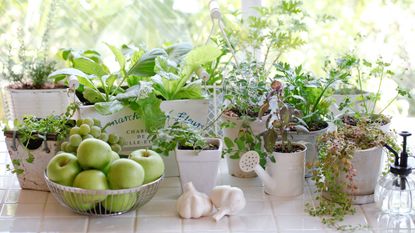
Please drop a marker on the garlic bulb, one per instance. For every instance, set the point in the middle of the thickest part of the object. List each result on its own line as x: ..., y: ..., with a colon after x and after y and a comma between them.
x: 228, y: 200
x: 193, y: 204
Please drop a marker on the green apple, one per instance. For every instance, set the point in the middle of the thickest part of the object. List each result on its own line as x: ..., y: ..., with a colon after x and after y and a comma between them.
x: 94, y: 153
x: 152, y: 163
x: 124, y: 174
x: 114, y: 156
x: 73, y: 200
x: 120, y: 202
x: 91, y: 180
x: 63, y: 168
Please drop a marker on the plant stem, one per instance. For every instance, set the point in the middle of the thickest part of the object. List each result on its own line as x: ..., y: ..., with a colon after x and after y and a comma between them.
x: 105, y: 89
x: 359, y: 79
x: 390, y: 102
x: 272, y: 64
x: 321, y: 95
x: 377, y: 93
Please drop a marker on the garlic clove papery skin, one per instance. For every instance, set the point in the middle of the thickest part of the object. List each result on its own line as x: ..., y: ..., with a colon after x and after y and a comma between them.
x: 228, y: 200
x: 193, y: 204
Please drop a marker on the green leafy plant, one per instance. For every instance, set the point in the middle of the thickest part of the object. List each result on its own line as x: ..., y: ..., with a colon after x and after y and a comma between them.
x: 282, y: 119
x: 309, y: 94
x: 174, y: 81
x: 33, y: 128
x: 245, y: 141
x: 179, y: 134
x: 361, y: 71
x: 336, y: 151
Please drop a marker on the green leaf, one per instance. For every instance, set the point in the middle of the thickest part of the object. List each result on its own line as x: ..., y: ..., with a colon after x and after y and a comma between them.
x: 93, y: 95
x: 86, y: 82
x: 228, y: 142
x: 149, y: 109
x: 192, y: 90
x: 118, y: 55
x: 163, y: 64
x: 110, y: 81
x: 108, y: 108
x: 139, y: 91
x: 145, y: 66
x: 200, y: 56
x: 88, y: 66
x: 178, y: 51
x: 68, y: 72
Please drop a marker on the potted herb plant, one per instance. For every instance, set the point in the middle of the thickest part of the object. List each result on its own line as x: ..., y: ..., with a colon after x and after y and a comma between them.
x: 347, y: 170
x: 26, y: 71
x: 311, y: 96
x: 32, y: 143
x: 245, y: 85
x: 285, y: 166
x: 197, y: 157
x: 367, y: 103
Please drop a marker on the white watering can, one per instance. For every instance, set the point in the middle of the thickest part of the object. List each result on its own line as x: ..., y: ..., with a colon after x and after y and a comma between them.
x: 282, y: 178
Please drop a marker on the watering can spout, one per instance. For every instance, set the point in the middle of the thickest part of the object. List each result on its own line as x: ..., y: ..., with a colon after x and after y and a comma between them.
x: 250, y: 162
x: 265, y: 177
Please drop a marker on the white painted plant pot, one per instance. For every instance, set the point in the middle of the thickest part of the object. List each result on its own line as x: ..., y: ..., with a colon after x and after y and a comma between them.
x: 125, y: 123
x: 286, y: 175
x: 367, y: 164
x: 40, y: 103
x: 257, y: 126
x: 200, y: 167
x: 310, y: 140
x: 33, y: 173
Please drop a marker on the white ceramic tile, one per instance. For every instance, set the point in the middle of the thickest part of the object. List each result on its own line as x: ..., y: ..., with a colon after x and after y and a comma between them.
x: 3, y: 147
x: 5, y: 182
x: 22, y: 210
x: 2, y: 195
x: 167, y: 193
x: 254, y: 193
x: 66, y: 224
x: 51, y: 199
x: 356, y: 219
x: 301, y: 231
x: 290, y: 206
x: 14, y: 182
x: 241, y: 182
x: 4, y: 171
x: 298, y: 222
x: 26, y: 196
x: 158, y: 224
x: 56, y: 210
x: 111, y: 224
x: 252, y: 223
x: 254, y: 231
x: 257, y: 208
x: 205, y: 224
x: 158, y: 208
x: 170, y: 182
x: 19, y: 224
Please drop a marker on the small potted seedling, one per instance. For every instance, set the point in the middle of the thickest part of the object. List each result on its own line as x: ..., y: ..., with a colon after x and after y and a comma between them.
x: 197, y: 157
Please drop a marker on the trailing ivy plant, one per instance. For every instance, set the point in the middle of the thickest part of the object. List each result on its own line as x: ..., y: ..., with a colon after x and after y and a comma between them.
x: 336, y: 151
x: 33, y: 128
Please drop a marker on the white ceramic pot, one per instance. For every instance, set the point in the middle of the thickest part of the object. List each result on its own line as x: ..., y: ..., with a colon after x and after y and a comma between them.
x: 40, y: 103
x: 367, y: 164
x: 125, y: 123
x: 310, y: 140
x: 286, y: 175
x: 33, y: 173
x: 257, y: 126
x: 200, y: 167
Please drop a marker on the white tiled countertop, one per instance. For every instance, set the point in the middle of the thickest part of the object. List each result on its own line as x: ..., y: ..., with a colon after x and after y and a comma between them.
x: 34, y: 211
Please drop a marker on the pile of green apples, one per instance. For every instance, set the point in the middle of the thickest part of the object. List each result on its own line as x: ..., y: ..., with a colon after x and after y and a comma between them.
x: 96, y: 166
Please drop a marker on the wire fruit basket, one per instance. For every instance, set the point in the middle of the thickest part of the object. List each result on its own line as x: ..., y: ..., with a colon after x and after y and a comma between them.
x: 103, y: 202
